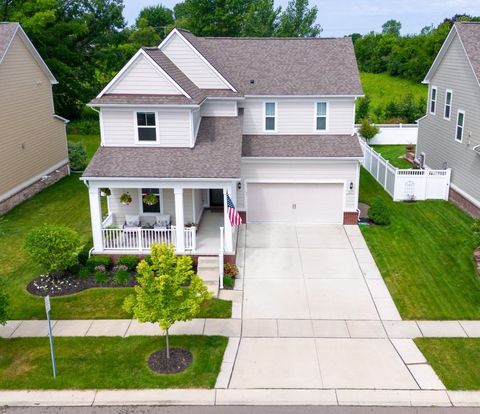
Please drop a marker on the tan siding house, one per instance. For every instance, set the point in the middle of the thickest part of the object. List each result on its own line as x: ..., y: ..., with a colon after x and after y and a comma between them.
x: 33, y: 146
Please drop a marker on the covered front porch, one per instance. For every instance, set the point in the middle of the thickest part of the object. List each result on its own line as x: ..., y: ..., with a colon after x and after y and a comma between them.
x: 192, y: 216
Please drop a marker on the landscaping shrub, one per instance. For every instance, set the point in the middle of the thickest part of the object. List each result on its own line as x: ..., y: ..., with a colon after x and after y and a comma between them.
x: 101, y: 275
x: 368, y: 130
x: 98, y: 260
x: 230, y: 270
x: 129, y: 261
x: 83, y: 253
x: 122, y: 275
x: 84, y: 273
x: 476, y: 232
x: 379, y: 212
x: 228, y: 282
x: 53, y: 247
x: 77, y: 154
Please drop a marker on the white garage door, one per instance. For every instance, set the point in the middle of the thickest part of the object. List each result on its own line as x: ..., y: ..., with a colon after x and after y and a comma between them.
x: 295, y: 203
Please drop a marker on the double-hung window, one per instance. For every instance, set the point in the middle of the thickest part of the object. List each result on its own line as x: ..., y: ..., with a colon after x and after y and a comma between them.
x: 270, y: 116
x: 321, y: 116
x: 460, y: 125
x: 146, y: 126
x: 448, y: 105
x: 433, y: 100
x: 150, y: 200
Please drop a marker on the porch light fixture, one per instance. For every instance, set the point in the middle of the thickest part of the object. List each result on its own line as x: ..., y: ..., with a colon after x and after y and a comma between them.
x: 239, y: 185
x: 351, y: 185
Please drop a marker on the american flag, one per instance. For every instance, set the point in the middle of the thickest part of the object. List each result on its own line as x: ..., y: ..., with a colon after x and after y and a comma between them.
x: 235, y: 219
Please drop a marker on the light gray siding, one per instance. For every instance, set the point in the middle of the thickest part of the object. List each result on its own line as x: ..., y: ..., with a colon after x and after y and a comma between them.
x: 191, y: 64
x: 118, y: 127
x: 436, y: 136
x: 306, y: 171
x: 298, y: 115
x: 213, y: 107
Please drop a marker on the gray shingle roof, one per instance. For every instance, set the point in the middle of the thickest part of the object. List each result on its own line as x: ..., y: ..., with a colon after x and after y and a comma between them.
x: 469, y: 33
x: 141, y: 99
x: 7, y: 31
x: 301, y: 146
x: 217, y: 154
x: 283, y: 66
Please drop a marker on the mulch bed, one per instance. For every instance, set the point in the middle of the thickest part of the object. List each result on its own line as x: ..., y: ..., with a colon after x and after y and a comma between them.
x: 60, y: 286
x: 180, y: 359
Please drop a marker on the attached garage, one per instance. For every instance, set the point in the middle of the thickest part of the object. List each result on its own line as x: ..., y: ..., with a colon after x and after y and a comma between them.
x: 295, y: 203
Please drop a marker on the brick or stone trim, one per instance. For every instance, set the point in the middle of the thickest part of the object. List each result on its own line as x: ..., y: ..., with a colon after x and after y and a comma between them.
x: 350, y: 217
x: 466, y: 205
x: 33, y: 189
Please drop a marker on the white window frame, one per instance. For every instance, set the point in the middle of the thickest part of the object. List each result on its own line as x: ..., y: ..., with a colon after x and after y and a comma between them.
x: 135, y: 121
x: 140, y: 203
x: 460, y: 111
x: 315, y: 116
x: 448, y: 91
x: 434, y: 88
x: 275, y: 117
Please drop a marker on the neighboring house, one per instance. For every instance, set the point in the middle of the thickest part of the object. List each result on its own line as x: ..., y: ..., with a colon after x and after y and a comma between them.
x: 33, y: 144
x: 449, y: 134
x: 270, y: 122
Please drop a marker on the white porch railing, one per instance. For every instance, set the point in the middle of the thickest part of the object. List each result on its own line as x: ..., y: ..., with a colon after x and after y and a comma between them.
x: 142, y: 239
x: 406, y: 184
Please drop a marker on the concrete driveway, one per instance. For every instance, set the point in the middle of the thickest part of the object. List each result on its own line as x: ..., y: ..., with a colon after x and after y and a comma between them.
x: 313, y: 306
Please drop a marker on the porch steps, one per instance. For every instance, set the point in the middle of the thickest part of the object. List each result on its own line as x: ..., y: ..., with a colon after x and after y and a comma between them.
x: 207, y: 269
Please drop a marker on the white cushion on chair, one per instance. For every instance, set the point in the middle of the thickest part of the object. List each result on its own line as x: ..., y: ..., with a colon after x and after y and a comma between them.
x: 162, y: 220
x: 132, y: 220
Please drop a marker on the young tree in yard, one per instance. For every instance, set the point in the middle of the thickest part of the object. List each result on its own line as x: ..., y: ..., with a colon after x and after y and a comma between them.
x: 168, y: 291
x: 363, y: 106
x: 3, y: 302
x: 54, y: 247
x: 368, y: 130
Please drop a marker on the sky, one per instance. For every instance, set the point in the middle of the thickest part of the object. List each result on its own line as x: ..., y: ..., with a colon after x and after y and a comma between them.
x: 341, y: 17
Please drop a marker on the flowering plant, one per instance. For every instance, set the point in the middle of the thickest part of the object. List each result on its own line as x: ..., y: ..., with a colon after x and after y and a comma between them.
x: 125, y: 198
x: 150, y: 199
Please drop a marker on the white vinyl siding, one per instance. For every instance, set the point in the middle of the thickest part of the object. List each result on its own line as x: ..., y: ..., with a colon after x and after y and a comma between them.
x: 119, y: 127
x: 447, y: 113
x: 191, y: 64
x: 433, y: 100
x: 213, y: 107
x: 460, y: 125
x: 296, y: 116
x: 306, y: 171
x: 143, y: 77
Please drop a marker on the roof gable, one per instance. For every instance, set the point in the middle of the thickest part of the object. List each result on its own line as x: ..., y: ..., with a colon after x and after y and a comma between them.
x: 468, y: 34
x: 8, y: 31
x: 192, y: 63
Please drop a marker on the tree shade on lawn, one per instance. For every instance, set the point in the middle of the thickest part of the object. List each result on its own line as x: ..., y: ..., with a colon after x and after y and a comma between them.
x: 425, y: 256
x: 455, y: 360
x: 106, y: 362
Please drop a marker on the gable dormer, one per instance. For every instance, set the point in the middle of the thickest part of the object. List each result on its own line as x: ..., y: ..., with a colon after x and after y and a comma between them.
x: 190, y: 61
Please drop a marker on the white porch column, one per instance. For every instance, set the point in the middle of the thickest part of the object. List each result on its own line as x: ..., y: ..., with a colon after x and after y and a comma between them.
x: 227, y: 225
x: 96, y: 218
x: 179, y: 221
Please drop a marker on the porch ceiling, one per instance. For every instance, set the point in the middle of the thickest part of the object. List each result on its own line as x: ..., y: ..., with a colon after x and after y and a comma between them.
x: 217, y: 154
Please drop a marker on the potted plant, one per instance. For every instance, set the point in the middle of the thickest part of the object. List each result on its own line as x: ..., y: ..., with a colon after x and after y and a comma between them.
x: 150, y: 199
x: 105, y: 192
x: 125, y: 199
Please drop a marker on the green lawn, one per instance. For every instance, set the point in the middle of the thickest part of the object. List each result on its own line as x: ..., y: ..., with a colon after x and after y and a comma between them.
x: 106, y: 362
x: 425, y: 256
x: 382, y: 88
x: 394, y: 154
x: 455, y: 360
x: 91, y: 142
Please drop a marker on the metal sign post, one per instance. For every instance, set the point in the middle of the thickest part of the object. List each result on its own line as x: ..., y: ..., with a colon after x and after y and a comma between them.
x: 50, y: 336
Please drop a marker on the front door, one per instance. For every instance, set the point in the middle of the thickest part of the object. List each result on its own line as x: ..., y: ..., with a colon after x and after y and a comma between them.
x: 216, y: 198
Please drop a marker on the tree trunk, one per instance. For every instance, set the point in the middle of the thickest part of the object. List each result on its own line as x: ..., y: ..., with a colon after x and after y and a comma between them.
x: 168, y: 344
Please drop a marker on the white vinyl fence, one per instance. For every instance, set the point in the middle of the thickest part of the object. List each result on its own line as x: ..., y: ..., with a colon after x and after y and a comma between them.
x: 405, y: 185
x: 395, y: 134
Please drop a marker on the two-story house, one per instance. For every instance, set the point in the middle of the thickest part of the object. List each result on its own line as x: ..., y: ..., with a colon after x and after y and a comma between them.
x: 449, y: 134
x: 33, y: 142
x: 268, y: 121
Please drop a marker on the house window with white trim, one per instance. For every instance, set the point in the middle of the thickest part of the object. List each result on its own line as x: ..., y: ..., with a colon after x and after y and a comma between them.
x: 321, y: 121
x: 270, y: 116
x: 433, y: 100
x: 146, y: 126
x: 460, y: 126
x: 150, y: 200
x: 448, y: 105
